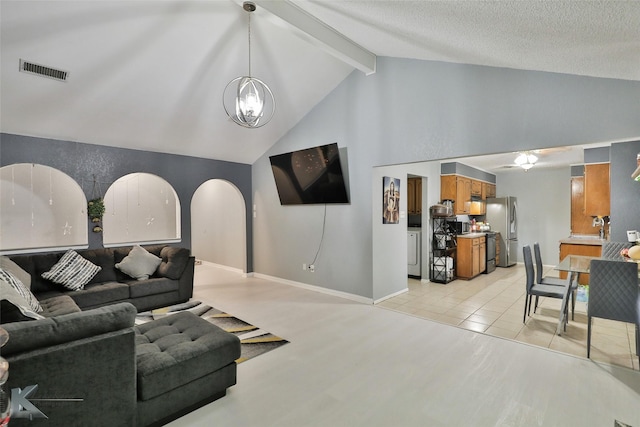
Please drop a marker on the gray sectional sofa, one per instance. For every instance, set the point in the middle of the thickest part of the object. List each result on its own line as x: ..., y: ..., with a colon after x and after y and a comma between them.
x: 172, y: 283
x: 102, y: 369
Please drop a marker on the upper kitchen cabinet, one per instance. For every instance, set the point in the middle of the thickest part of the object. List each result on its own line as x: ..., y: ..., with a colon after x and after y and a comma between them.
x: 597, y: 192
x: 468, y: 187
x: 488, y: 191
x: 458, y: 189
x: 414, y: 196
x: 476, y: 188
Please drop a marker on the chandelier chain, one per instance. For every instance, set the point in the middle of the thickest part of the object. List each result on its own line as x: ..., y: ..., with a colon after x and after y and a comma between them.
x: 249, y: 14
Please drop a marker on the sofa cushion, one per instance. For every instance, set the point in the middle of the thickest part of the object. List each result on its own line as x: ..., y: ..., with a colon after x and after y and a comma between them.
x: 7, y: 264
x: 57, y: 306
x: 29, y: 336
x: 104, y: 258
x: 139, y: 264
x: 174, y: 261
x: 35, y: 265
x: 96, y: 294
x: 153, y: 286
x: 13, y: 308
x: 15, y: 292
x: 178, y: 349
x: 72, y: 271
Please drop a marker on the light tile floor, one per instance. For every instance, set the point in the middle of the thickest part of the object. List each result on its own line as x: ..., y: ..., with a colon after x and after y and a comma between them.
x: 493, y: 304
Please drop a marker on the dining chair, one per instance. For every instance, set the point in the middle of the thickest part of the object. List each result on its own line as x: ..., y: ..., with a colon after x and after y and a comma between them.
x: 553, y: 281
x: 613, y: 294
x: 539, y: 289
x: 611, y: 250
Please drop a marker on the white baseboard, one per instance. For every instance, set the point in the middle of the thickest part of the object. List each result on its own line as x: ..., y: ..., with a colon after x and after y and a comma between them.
x: 315, y: 288
x: 378, y: 301
x: 223, y: 267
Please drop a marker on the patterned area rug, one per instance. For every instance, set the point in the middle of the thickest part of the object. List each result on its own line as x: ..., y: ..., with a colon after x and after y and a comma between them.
x: 253, y: 340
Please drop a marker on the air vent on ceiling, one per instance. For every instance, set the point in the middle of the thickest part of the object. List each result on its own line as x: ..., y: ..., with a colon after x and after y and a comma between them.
x: 44, y: 71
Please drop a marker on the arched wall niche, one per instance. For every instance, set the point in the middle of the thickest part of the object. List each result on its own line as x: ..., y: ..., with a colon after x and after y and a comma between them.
x: 141, y: 208
x: 41, y: 209
x: 218, y: 225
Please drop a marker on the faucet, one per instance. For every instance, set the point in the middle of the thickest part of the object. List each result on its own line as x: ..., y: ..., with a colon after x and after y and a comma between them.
x: 599, y: 221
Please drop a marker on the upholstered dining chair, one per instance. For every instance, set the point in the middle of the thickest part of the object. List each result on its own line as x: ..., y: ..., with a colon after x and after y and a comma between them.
x: 538, y: 289
x: 613, y: 294
x: 611, y: 250
x: 553, y: 281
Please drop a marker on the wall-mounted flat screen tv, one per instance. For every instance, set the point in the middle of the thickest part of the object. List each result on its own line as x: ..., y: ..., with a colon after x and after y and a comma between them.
x: 310, y: 176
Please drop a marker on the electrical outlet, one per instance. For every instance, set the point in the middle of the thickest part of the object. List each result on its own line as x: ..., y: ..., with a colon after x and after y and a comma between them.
x: 312, y: 268
x: 304, y: 267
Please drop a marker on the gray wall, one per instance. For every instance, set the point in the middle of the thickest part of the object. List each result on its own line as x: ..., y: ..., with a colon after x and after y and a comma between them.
x: 625, y: 192
x: 81, y: 161
x: 412, y: 111
x: 544, y: 208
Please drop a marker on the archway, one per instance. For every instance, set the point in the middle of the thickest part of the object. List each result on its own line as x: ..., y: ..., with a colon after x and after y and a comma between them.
x: 141, y: 208
x: 218, y: 225
x: 41, y: 209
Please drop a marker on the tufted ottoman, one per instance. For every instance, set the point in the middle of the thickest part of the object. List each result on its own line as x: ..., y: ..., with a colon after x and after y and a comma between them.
x: 183, y: 362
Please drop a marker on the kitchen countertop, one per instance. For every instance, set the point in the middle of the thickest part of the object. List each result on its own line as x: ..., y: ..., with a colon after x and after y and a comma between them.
x: 583, y: 240
x: 472, y: 235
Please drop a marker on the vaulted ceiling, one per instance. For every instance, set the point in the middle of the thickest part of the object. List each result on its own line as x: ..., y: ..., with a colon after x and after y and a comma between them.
x: 150, y: 74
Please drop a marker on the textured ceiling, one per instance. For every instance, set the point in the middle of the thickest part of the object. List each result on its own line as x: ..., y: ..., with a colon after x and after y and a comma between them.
x: 149, y: 74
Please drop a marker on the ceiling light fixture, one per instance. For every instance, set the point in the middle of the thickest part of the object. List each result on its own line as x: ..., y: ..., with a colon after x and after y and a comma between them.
x: 526, y: 160
x: 248, y: 101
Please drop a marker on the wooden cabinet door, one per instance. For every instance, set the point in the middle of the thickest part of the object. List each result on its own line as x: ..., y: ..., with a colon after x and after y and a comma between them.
x: 580, y: 223
x: 483, y: 255
x: 491, y: 191
x: 411, y: 196
x: 588, y: 250
x: 448, y: 187
x: 463, y: 195
x: 417, y: 195
x: 597, y: 192
x: 476, y: 188
x: 475, y: 249
x: 464, y: 264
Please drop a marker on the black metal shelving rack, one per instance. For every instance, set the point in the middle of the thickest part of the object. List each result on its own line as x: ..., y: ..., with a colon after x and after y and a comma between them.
x: 443, y: 246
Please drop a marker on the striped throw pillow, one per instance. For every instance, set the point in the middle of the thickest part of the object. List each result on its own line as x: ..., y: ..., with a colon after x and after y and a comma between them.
x: 6, y: 277
x: 72, y: 271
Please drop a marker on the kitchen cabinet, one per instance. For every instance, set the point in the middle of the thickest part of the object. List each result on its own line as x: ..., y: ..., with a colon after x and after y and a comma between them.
x: 478, y: 208
x: 488, y: 191
x: 476, y: 188
x: 414, y: 196
x: 458, y: 189
x: 597, y: 192
x: 497, y: 248
x: 471, y: 256
x: 579, y: 249
x: 580, y: 223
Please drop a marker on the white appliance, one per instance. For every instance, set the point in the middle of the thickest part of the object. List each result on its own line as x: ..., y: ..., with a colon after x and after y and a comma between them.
x: 502, y: 214
x: 414, y: 253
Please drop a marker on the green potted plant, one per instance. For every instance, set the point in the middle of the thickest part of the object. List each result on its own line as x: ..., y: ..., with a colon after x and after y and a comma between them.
x: 95, y: 209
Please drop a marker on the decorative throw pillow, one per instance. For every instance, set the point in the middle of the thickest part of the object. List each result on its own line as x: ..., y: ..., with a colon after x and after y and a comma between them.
x: 12, y: 289
x: 139, y: 264
x: 16, y: 270
x: 72, y: 271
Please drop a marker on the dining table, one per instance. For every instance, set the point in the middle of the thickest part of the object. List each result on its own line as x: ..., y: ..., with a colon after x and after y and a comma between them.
x: 574, y: 265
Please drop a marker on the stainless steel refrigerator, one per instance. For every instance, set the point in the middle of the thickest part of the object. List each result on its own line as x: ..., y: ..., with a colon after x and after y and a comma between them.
x: 502, y: 215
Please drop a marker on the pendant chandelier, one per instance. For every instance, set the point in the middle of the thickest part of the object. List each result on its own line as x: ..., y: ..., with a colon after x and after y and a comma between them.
x: 248, y: 101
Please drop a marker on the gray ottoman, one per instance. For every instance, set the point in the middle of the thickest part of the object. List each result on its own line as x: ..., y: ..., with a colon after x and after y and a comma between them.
x: 183, y: 362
